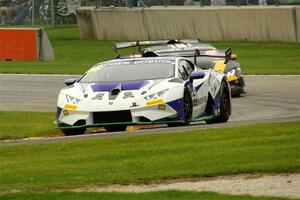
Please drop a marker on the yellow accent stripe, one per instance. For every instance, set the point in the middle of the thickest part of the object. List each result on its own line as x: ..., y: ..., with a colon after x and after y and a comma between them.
x: 219, y: 66
x: 232, y: 78
x: 70, y: 107
x: 154, y: 102
x: 32, y: 138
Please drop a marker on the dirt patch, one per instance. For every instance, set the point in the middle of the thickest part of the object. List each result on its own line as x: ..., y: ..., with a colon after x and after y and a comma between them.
x: 284, y: 185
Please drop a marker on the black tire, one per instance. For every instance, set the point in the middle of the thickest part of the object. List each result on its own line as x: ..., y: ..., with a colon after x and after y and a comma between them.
x: 225, y: 106
x: 115, y: 128
x: 235, y: 95
x: 73, y: 131
x: 187, y: 109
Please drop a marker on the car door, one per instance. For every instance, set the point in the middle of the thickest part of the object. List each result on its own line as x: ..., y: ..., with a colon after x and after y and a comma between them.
x: 198, y: 87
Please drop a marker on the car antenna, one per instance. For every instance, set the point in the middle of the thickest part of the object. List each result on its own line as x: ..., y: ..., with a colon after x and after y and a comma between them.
x: 197, y: 53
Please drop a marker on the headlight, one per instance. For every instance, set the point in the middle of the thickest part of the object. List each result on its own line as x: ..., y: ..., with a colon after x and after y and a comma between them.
x: 72, y: 100
x: 156, y: 95
x: 234, y: 72
x: 231, y: 72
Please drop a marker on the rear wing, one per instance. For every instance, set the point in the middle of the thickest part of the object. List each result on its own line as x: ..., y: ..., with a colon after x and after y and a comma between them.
x: 226, y: 54
x: 122, y: 45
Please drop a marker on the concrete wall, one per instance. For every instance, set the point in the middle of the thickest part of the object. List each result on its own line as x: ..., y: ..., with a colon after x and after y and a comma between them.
x: 85, y: 22
x: 297, y: 22
x: 251, y: 23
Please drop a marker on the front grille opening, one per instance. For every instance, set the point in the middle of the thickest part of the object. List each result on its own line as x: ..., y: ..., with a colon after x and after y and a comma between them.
x: 112, y: 117
x: 144, y: 119
x: 81, y: 122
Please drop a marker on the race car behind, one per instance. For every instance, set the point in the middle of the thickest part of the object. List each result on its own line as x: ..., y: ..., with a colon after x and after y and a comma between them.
x: 208, y: 57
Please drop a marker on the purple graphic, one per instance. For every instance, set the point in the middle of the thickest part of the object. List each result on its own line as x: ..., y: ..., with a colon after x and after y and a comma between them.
x: 105, y: 87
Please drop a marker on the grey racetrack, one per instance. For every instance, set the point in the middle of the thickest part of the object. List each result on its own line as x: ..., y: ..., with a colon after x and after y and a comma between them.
x: 268, y: 98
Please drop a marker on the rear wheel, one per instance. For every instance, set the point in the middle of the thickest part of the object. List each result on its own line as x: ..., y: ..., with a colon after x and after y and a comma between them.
x: 225, y: 106
x: 73, y: 131
x: 187, y: 110
x: 115, y: 128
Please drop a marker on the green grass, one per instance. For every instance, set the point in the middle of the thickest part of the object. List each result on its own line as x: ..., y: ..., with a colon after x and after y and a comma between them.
x: 75, y: 56
x: 264, y: 148
x: 266, y: 57
x: 165, y: 195
x: 26, y: 124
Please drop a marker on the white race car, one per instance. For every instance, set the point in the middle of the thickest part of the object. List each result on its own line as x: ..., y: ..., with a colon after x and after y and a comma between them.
x: 158, y: 90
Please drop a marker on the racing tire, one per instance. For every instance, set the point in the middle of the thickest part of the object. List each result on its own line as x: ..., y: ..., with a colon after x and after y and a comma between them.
x: 187, y: 110
x: 115, y: 128
x: 225, y: 106
x: 73, y: 131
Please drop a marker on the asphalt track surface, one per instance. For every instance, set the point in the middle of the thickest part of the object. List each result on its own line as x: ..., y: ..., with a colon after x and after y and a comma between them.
x: 268, y: 99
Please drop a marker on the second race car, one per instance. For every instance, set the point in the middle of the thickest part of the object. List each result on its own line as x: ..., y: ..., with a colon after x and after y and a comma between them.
x: 209, y: 57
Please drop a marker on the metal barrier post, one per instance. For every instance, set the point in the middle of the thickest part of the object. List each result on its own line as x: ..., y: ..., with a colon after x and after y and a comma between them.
x: 32, y: 14
x: 52, y: 13
x: 201, y: 3
x: 98, y: 3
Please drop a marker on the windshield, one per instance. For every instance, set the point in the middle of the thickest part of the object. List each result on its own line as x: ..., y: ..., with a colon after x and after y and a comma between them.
x: 128, y: 72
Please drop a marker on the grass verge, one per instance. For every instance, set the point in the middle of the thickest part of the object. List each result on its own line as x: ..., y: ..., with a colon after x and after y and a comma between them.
x: 75, y: 56
x: 166, y: 195
x: 264, y: 148
x: 14, y: 125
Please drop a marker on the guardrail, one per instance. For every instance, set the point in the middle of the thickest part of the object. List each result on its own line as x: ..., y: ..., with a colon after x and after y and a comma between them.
x: 225, y: 23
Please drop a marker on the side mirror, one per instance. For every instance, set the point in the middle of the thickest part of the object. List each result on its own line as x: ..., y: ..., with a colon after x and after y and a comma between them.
x: 197, y: 54
x: 197, y: 75
x: 70, y: 81
x: 228, y: 53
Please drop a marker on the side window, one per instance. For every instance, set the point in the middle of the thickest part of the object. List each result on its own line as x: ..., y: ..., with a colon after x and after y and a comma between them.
x: 182, y: 72
x: 184, y: 69
x: 189, y: 68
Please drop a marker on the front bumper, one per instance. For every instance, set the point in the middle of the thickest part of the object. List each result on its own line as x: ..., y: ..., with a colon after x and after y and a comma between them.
x: 161, y: 113
x: 237, y: 86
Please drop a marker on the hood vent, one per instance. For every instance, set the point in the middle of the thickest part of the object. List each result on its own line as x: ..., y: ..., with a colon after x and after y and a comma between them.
x: 115, y: 92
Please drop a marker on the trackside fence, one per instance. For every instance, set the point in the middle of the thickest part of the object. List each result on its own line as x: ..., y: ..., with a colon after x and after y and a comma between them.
x: 219, y: 23
x: 52, y: 12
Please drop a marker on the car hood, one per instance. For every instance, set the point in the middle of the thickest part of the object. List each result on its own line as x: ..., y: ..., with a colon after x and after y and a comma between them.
x: 137, y: 88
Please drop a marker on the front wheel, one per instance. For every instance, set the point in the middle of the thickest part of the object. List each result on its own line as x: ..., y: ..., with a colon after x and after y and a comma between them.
x: 225, y: 106
x: 187, y: 110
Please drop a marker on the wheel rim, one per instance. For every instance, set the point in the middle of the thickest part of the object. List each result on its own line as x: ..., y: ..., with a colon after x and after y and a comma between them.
x: 225, y: 102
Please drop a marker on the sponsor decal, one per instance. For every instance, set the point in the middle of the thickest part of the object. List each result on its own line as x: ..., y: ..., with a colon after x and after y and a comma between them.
x: 200, y: 101
x: 128, y: 95
x: 70, y: 107
x: 154, y: 102
x: 98, y: 96
x: 137, y: 62
x: 134, y: 104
